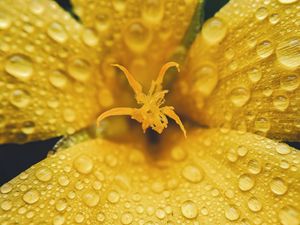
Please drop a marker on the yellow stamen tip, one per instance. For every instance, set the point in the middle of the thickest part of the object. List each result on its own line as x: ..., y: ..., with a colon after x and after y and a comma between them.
x: 150, y: 114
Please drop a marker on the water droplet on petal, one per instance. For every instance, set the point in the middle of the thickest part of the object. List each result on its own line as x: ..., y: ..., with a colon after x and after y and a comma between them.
x: 6, y: 205
x: 261, y: 13
x: 283, y: 149
x: 90, y: 37
x: 126, y: 218
x: 254, y: 166
x: 262, y: 124
x: 83, y: 164
x: 20, y: 98
x: 288, y: 52
x: 189, y: 209
x: 58, y: 79
x: 214, y: 30
x: 192, y: 174
x: 19, y: 66
x: 44, y: 174
x: 287, y: 1
x: 281, y: 102
x: 57, y: 32
x: 254, y: 204
x: 61, y: 205
x: 6, y: 188
x: 232, y: 213
x: 278, y: 186
x: 246, y: 182
x: 264, y: 49
x: 240, y: 96
x: 113, y: 196
x: 254, y: 75
x: 288, y: 215
x: 153, y: 11
x: 91, y: 198
x: 5, y: 21
x: 80, y: 69
x: 31, y: 196
x: 290, y: 82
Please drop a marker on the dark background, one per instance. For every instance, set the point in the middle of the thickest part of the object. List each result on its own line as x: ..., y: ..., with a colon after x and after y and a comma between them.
x: 16, y: 158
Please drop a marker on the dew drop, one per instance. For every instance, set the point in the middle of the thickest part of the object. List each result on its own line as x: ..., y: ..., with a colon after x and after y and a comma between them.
x: 288, y: 52
x: 20, y: 98
x: 254, y: 75
x: 119, y: 5
x: 43, y: 174
x: 232, y: 213
x: 31, y: 196
x: 137, y: 36
x: 58, y: 220
x: 261, y: 13
x: 19, y: 66
x: 5, y: 21
x: 254, y: 204
x: 262, y: 124
x: 69, y: 115
x: 152, y: 11
x: 246, y: 183
x: 274, y: 18
x: 283, y: 149
x: 192, y: 174
x: 90, y: 37
x: 126, y: 218
x: 80, y: 69
x: 63, y: 181
x: 6, y: 205
x: 178, y: 154
x: 61, y: 205
x: 254, y: 166
x: 6, y: 188
x: 28, y: 127
x: 58, y: 79
x: 206, y: 79
x: 242, y: 151
x: 289, y: 82
x: 79, y: 218
x: 113, y: 196
x: 214, y: 30
x: 57, y: 32
x: 100, y: 217
x: 278, y: 186
x: 264, y: 49
x: 91, y: 198
x: 281, y: 102
x: 189, y: 209
x: 83, y: 164
x: 288, y: 215
x: 240, y: 96
x: 287, y: 1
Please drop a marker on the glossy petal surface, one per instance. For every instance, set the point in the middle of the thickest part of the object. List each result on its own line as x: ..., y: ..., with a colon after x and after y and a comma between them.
x: 243, y: 70
x: 210, y: 178
x: 48, y: 74
x: 141, y: 35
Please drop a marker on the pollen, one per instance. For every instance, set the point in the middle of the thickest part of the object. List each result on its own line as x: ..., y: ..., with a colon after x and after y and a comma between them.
x: 151, y: 113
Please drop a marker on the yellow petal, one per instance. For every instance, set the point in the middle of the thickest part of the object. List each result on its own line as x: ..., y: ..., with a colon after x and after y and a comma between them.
x: 140, y: 35
x: 48, y: 74
x: 243, y: 69
x: 209, y: 178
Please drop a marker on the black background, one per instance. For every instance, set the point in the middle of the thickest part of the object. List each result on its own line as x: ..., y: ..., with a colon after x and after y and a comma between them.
x: 16, y: 158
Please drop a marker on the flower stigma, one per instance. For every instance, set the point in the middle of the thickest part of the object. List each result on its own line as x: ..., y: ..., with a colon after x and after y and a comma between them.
x: 150, y: 114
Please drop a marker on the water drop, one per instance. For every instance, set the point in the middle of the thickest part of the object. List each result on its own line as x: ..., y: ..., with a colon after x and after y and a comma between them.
x: 57, y: 32
x: 288, y: 215
x: 20, y: 98
x: 43, y: 174
x: 288, y: 52
x: 261, y: 13
x: 264, y: 49
x: 19, y: 66
x: 281, y: 102
x: 113, y: 196
x: 119, y: 5
x: 91, y: 198
x: 80, y: 69
x: 254, y: 204
x: 254, y: 75
x: 63, y: 181
x: 283, y: 149
x: 289, y: 82
x: 5, y: 21
x: 6, y: 205
x: 6, y: 188
x: 254, y: 166
x: 189, y: 209
x: 126, y: 218
x: 58, y: 79
x: 192, y: 174
x: 246, y: 182
x: 278, y: 186
x: 287, y: 1
x: 137, y: 36
x: 61, y: 205
x: 274, y: 18
x: 90, y: 37
x: 58, y: 220
x: 31, y: 196
x: 214, y: 30
x: 232, y: 213
x: 206, y: 79
x: 69, y: 115
x: 152, y: 11
x: 262, y: 124
x: 83, y: 164
x: 239, y: 96
x: 79, y: 218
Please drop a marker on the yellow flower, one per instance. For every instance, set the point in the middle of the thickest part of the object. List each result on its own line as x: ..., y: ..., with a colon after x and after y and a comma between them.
x: 240, y: 77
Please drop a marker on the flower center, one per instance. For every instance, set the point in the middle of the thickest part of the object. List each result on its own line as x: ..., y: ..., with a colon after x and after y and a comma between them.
x: 151, y: 113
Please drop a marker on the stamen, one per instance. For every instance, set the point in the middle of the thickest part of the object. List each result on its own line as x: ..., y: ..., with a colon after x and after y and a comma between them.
x: 149, y: 114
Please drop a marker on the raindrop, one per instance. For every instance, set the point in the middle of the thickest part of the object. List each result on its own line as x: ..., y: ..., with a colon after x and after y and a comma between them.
x: 58, y: 78
x: 43, y: 174
x: 278, y: 186
x: 57, y: 32
x: 91, y: 198
x: 5, y: 21
x: 290, y: 82
x: 189, y: 209
x: 254, y: 75
x: 6, y: 205
x: 254, y: 166
x: 261, y: 13
x: 20, y: 98
x: 126, y: 218
x: 288, y: 215
x: 6, y: 188
x: 113, y: 196
x: 262, y: 124
x: 192, y: 174
x: 214, y: 30
x: 61, y: 205
x: 90, y: 37
x: 288, y: 52
x: 246, y: 182
x: 254, y: 204
x: 83, y: 164
x: 79, y: 69
x: 283, y: 149
x: 239, y: 96
x: 281, y: 102
x: 31, y: 196
x: 232, y: 213
x: 264, y: 49
x: 19, y: 66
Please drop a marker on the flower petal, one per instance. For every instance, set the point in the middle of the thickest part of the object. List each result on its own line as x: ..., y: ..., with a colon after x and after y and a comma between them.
x: 211, y: 177
x: 243, y: 73
x: 141, y: 35
x: 49, y: 78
